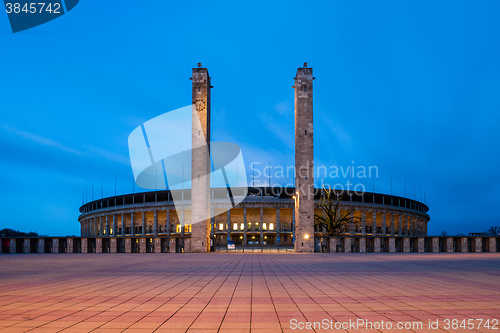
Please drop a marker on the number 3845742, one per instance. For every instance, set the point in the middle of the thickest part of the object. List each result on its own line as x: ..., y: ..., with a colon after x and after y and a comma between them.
x: 33, y: 8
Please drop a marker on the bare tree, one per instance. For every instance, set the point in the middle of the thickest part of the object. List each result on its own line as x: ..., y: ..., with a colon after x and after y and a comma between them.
x: 333, y: 219
x: 494, y: 231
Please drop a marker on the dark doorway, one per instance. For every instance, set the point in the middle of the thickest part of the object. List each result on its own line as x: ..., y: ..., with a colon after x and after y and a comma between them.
x: 91, y: 245
x: 106, y: 245
x: 165, y: 248
x: 48, y: 245
x: 33, y: 245
x: 77, y: 245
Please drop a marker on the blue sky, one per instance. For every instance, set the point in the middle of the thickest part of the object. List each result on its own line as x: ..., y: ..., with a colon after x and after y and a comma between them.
x: 409, y: 86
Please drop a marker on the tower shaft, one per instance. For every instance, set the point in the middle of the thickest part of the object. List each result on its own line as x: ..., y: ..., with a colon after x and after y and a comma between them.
x: 200, y: 171
x: 304, y: 161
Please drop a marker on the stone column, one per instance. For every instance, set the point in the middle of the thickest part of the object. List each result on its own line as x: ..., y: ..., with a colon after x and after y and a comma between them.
x: 392, y: 224
x: 435, y: 244
x: 478, y: 242
x: 84, y: 245
x: 168, y: 222
x: 334, y: 241
x: 304, y: 161
x: 183, y: 226
x: 26, y: 245
x: 245, y: 226
x: 362, y: 245
x: 278, y: 226
x: 171, y: 247
x: 106, y: 231
x: 69, y: 245
x: 98, y: 245
x: 228, y: 224
x: 421, y: 244
x: 123, y: 225
x: 463, y: 244
x: 449, y: 244
x: 115, y: 226
x: 143, y: 225
x: 128, y: 245
x: 132, y: 231
x: 374, y: 222
x: 143, y: 244
x: 55, y: 245
x: 157, y: 245
x: 384, y: 227
x: 376, y: 245
x: 351, y: 224
x: 212, y: 225
x: 113, y: 245
x: 400, y: 225
x: 100, y: 228
x: 406, y: 244
x: 261, y: 226
x: 347, y: 244
x: 493, y: 244
x: 392, y: 245
x: 155, y: 223
x: 363, y: 223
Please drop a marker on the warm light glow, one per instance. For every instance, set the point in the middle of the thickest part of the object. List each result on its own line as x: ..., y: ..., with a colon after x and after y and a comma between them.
x: 306, y: 236
x: 242, y: 226
x: 294, y: 197
x: 235, y: 226
x: 265, y: 237
x: 264, y: 226
x: 221, y: 226
x: 271, y: 226
x: 178, y: 228
x: 253, y: 237
x: 241, y: 237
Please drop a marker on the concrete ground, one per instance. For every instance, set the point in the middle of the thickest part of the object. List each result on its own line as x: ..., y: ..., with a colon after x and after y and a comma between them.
x: 248, y: 292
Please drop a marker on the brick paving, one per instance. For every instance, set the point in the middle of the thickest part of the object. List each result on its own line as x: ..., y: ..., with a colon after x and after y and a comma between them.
x: 243, y: 292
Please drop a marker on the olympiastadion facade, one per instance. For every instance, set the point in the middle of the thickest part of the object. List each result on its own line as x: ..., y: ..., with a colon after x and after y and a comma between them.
x: 254, y: 217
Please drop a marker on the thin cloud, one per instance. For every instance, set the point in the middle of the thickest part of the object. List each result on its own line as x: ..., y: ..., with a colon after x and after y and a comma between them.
x: 40, y: 140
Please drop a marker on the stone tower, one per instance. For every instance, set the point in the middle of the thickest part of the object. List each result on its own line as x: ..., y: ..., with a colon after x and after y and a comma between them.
x: 200, y: 170
x: 304, y: 161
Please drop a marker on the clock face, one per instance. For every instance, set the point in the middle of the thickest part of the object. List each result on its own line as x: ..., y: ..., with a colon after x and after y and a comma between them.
x: 200, y: 105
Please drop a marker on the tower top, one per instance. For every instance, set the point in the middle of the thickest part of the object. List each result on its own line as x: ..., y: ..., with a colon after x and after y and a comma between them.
x: 305, y: 65
x: 199, y: 65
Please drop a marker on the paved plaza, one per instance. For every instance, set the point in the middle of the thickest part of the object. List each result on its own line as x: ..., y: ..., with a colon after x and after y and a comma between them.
x: 246, y: 292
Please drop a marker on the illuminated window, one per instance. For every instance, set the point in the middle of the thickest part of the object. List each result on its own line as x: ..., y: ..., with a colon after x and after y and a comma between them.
x: 271, y: 226
x: 264, y: 226
x: 249, y: 226
x: 242, y: 226
x: 110, y: 231
x: 235, y: 226
x: 221, y: 227
x: 178, y: 228
x: 257, y: 225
